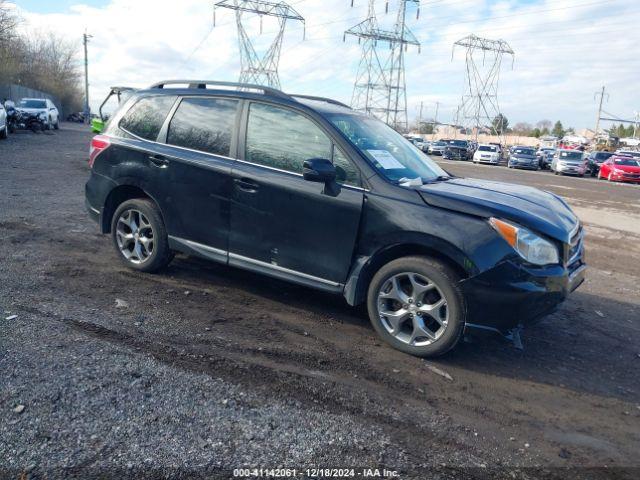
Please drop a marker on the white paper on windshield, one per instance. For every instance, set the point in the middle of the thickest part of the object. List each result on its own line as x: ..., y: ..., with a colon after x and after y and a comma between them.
x: 385, y: 159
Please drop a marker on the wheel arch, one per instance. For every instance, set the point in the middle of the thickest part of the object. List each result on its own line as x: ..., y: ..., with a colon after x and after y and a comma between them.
x: 365, y: 267
x: 116, y: 197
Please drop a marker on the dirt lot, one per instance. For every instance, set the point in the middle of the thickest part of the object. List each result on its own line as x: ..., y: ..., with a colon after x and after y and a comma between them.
x: 205, y: 368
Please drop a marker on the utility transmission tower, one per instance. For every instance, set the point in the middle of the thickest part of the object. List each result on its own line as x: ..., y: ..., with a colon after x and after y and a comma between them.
x: 479, y: 105
x: 255, y: 68
x: 380, y: 86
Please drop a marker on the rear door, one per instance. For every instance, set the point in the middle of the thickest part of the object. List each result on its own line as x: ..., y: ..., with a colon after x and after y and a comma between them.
x: 282, y: 224
x: 196, y: 159
x: 179, y: 150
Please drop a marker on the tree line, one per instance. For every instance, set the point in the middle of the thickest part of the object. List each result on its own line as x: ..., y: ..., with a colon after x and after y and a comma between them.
x: 541, y: 129
x: 500, y: 124
x: 43, y: 61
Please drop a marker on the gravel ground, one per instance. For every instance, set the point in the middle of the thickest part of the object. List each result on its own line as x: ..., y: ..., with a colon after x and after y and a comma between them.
x: 204, y: 368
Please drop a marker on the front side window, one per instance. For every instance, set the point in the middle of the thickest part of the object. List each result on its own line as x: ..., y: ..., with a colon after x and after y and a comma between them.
x: 281, y: 138
x: 346, y: 172
x: 146, y: 117
x: 204, y: 124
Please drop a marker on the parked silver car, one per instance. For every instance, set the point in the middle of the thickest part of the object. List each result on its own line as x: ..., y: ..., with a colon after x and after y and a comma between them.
x: 569, y: 162
x: 437, y: 148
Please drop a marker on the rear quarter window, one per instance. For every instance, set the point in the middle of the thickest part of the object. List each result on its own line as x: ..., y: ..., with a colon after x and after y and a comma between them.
x: 147, y: 115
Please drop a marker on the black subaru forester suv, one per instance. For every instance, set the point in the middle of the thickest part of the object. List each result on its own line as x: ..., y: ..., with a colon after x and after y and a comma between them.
x: 307, y: 190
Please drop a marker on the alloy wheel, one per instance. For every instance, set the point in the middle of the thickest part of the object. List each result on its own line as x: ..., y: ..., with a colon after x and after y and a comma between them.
x: 413, y: 309
x: 134, y: 235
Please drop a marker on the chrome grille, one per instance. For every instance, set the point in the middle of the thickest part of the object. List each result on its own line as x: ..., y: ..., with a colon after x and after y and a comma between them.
x: 575, y: 247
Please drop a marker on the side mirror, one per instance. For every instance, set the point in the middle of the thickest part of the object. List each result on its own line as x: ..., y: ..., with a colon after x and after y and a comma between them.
x: 319, y: 170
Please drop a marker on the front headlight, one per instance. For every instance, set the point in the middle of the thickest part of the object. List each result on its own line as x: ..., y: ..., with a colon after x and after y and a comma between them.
x: 42, y: 116
x: 533, y: 248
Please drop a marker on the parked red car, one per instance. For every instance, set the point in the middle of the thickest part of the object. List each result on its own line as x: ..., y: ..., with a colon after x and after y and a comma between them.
x: 620, y: 169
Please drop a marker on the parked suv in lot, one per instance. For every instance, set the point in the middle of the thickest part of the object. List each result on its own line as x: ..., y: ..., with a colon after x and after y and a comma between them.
x: 307, y: 190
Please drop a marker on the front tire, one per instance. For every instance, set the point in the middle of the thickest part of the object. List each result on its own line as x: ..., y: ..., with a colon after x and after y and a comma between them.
x: 4, y: 133
x: 140, y: 236
x: 415, y: 304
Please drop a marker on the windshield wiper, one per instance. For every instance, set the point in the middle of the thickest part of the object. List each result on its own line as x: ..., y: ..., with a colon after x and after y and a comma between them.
x: 442, y: 178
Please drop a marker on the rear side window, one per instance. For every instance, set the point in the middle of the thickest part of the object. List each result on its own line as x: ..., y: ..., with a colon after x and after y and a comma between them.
x: 283, y: 139
x: 204, y: 124
x: 146, y: 117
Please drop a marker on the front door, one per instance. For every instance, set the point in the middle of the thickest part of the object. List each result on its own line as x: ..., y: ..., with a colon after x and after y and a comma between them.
x: 282, y: 224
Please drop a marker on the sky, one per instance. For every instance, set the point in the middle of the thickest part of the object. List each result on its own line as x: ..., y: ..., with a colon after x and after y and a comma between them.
x: 565, y: 50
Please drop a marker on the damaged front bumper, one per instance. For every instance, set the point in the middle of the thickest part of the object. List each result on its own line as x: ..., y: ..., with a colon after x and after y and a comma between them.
x: 511, y: 295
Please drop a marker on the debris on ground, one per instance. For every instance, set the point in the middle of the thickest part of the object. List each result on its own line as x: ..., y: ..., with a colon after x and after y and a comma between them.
x: 11, y: 317
x: 19, y: 409
x: 437, y: 371
x: 121, y: 303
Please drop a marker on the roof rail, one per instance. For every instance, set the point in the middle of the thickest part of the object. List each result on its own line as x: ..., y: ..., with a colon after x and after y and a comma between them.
x: 267, y: 90
x: 321, y: 99
x: 203, y: 84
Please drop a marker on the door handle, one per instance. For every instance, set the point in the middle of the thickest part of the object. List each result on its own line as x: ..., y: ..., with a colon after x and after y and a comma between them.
x: 159, y: 161
x: 246, y: 185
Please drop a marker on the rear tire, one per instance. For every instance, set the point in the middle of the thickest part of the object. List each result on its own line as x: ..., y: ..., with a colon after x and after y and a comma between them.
x: 140, y: 236
x: 423, y: 328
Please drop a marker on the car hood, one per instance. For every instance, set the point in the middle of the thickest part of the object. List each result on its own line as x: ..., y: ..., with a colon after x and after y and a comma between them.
x: 523, y: 157
x: 32, y: 110
x: 538, y: 210
x: 628, y: 168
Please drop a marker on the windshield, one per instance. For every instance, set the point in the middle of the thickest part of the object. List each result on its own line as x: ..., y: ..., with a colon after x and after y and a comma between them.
x: 391, y: 154
x: 570, y: 155
x: 33, y: 104
x: 458, y: 143
x: 603, y: 155
x: 629, y: 162
x: 524, y: 151
x: 486, y: 148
